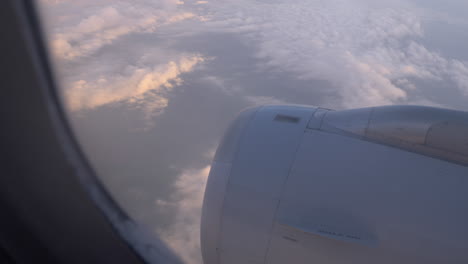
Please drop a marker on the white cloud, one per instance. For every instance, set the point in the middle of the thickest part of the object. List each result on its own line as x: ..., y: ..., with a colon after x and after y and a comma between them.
x: 363, y: 50
x: 80, y: 29
x: 142, y: 87
x: 183, y: 236
x: 132, y: 85
x: 459, y: 73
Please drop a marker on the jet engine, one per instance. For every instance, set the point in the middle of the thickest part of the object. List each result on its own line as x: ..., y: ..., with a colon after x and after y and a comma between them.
x: 299, y: 184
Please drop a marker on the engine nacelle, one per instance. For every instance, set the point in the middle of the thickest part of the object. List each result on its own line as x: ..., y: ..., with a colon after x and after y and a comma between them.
x: 297, y: 184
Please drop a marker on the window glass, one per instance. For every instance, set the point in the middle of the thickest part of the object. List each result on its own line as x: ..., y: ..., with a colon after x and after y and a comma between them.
x: 151, y: 85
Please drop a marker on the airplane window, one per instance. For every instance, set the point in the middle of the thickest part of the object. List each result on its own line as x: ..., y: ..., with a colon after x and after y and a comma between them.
x: 151, y: 86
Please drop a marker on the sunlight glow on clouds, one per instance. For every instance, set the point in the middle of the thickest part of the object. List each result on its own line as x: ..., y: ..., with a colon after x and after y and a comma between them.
x: 82, y: 28
x: 132, y: 85
x: 80, y: 36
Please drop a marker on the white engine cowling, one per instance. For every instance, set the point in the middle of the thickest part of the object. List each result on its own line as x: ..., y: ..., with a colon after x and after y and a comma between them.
x: 298, y: 184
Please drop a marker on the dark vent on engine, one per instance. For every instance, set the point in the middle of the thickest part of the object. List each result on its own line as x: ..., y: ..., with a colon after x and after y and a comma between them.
x: 287, y: 119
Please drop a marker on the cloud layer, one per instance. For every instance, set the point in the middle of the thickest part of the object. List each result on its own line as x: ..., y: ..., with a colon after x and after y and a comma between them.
x: 370, y: 53
x: 141, y: 76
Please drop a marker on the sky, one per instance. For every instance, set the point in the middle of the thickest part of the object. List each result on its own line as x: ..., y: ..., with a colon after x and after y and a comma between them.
x: 150, y: 86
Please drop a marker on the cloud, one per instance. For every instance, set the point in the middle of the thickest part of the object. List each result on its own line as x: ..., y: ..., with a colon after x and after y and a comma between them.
x: 80, y: 29
x: 370, y: 53
x: 142, y: 87
x: 131, y: 85
x: 130, y: 70
x: 183, y: 236
x: 458, y: 71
